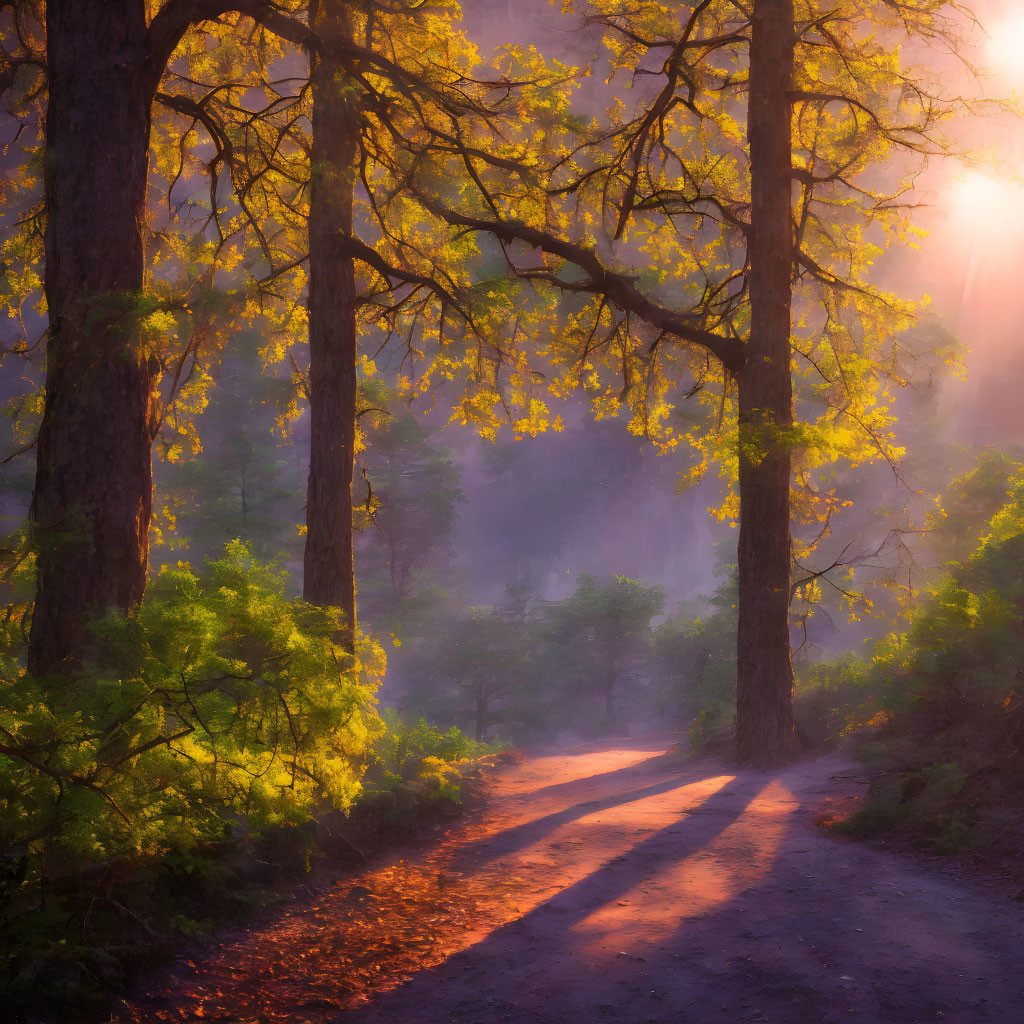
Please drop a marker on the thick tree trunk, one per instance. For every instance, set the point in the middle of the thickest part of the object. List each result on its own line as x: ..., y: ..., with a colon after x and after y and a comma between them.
x: 764, y: 705
x: 93, y: 491
x: 329, y: 574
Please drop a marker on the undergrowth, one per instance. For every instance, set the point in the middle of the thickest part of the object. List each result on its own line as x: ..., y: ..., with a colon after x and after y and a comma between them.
x: 213, y: 742
x: 939, y: 708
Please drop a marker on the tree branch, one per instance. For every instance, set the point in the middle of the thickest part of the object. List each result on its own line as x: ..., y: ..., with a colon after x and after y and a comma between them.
x: 616, y: 287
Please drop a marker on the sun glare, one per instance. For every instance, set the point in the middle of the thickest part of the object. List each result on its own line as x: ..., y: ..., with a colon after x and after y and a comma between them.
x: 1004, y: 50
x: 991, y: 205
x: 977, y: 195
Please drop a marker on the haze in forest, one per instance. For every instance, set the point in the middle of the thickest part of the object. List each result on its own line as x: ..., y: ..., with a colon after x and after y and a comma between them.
x: 398, y: 395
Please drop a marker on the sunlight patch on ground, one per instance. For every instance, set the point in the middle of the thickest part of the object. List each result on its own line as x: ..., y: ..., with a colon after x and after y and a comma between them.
x: 358, y: 941
x: 555, y: 772
x: 525, y: 879
x: 736, y: 860
x: 576, y: 849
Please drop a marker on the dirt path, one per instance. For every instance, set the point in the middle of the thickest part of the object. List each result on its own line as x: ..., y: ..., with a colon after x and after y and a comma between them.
x: 610, y: 883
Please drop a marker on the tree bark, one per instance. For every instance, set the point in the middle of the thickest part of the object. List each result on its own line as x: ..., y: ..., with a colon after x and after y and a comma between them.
x: 329, y: 573
x: 764, y: 699
x: 93, y: 489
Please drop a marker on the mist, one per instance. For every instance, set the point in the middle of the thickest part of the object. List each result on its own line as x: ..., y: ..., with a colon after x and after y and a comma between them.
x: 500, y: 502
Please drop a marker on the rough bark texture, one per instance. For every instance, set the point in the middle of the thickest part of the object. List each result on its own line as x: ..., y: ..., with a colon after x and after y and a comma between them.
x: 329, y: 574
x: 93, y: 491
x: 764, y: 705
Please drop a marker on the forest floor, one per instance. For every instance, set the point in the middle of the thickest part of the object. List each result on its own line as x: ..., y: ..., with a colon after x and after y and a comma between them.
x: 617, y: 882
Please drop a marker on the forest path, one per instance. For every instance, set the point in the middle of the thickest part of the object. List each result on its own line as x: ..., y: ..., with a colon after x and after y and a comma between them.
x: 613, y: 882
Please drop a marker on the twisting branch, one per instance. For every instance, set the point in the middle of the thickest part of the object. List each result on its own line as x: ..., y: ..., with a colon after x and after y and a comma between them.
x: 618, y: 288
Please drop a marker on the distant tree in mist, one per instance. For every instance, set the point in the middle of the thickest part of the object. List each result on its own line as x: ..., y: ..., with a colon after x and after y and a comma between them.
x: 404, y: 548
x: 521, y: 599
x: 694, y: 664
x: 529, y: 669
x: 483, y: 658
x: 598, y: 643
x: 246, y: 483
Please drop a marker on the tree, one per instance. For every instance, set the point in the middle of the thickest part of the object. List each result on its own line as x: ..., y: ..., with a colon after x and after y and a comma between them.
x: 484, y: 654
x: 388, y: 87
x: 601, y: 635
x: 329, y: 568
x: 93, y: 491
x: 764, y: 394
x: 405, y: 551
x: 969, y: 502
x: 736, y: 108
x: 695, y: 663
x: 246, y: 483
x: 92, y: 503
x: 674, y: 181
x: 93, y: 496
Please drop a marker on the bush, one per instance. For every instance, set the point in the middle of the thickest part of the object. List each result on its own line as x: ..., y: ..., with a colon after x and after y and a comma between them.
x: 696, y: 660
x: 221, y: 711
x: 944, y: 697
x: 828, y: 696
x: 403, y: 753
x: 214, y: 740
x: 219, y: 704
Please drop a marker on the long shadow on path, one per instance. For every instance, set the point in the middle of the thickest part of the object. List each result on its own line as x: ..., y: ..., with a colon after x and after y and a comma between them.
x: 511, y: 840
x: 819, y: 932
x: 583, y: 784
x: 465, y: 986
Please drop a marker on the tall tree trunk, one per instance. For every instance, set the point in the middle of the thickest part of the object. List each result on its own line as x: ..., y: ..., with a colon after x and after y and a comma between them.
x: 764, y: 704
x: 329, y: 573
x: 93, y: 490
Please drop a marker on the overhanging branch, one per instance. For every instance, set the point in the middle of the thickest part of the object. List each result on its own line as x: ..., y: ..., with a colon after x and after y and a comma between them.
x: 616, y: 287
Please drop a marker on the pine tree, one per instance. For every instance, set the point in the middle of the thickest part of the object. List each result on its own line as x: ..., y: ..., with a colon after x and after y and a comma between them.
x: 680, y: 260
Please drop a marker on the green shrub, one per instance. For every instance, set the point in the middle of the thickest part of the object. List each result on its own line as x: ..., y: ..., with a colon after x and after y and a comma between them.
x: 220, y: 704
x: 220, y: 713
x: 926, y: 800
x: 943, y: 698
x: 696, y: 667
x: 827, y: 695
x: 406, y: 753
x: 212, y: 740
